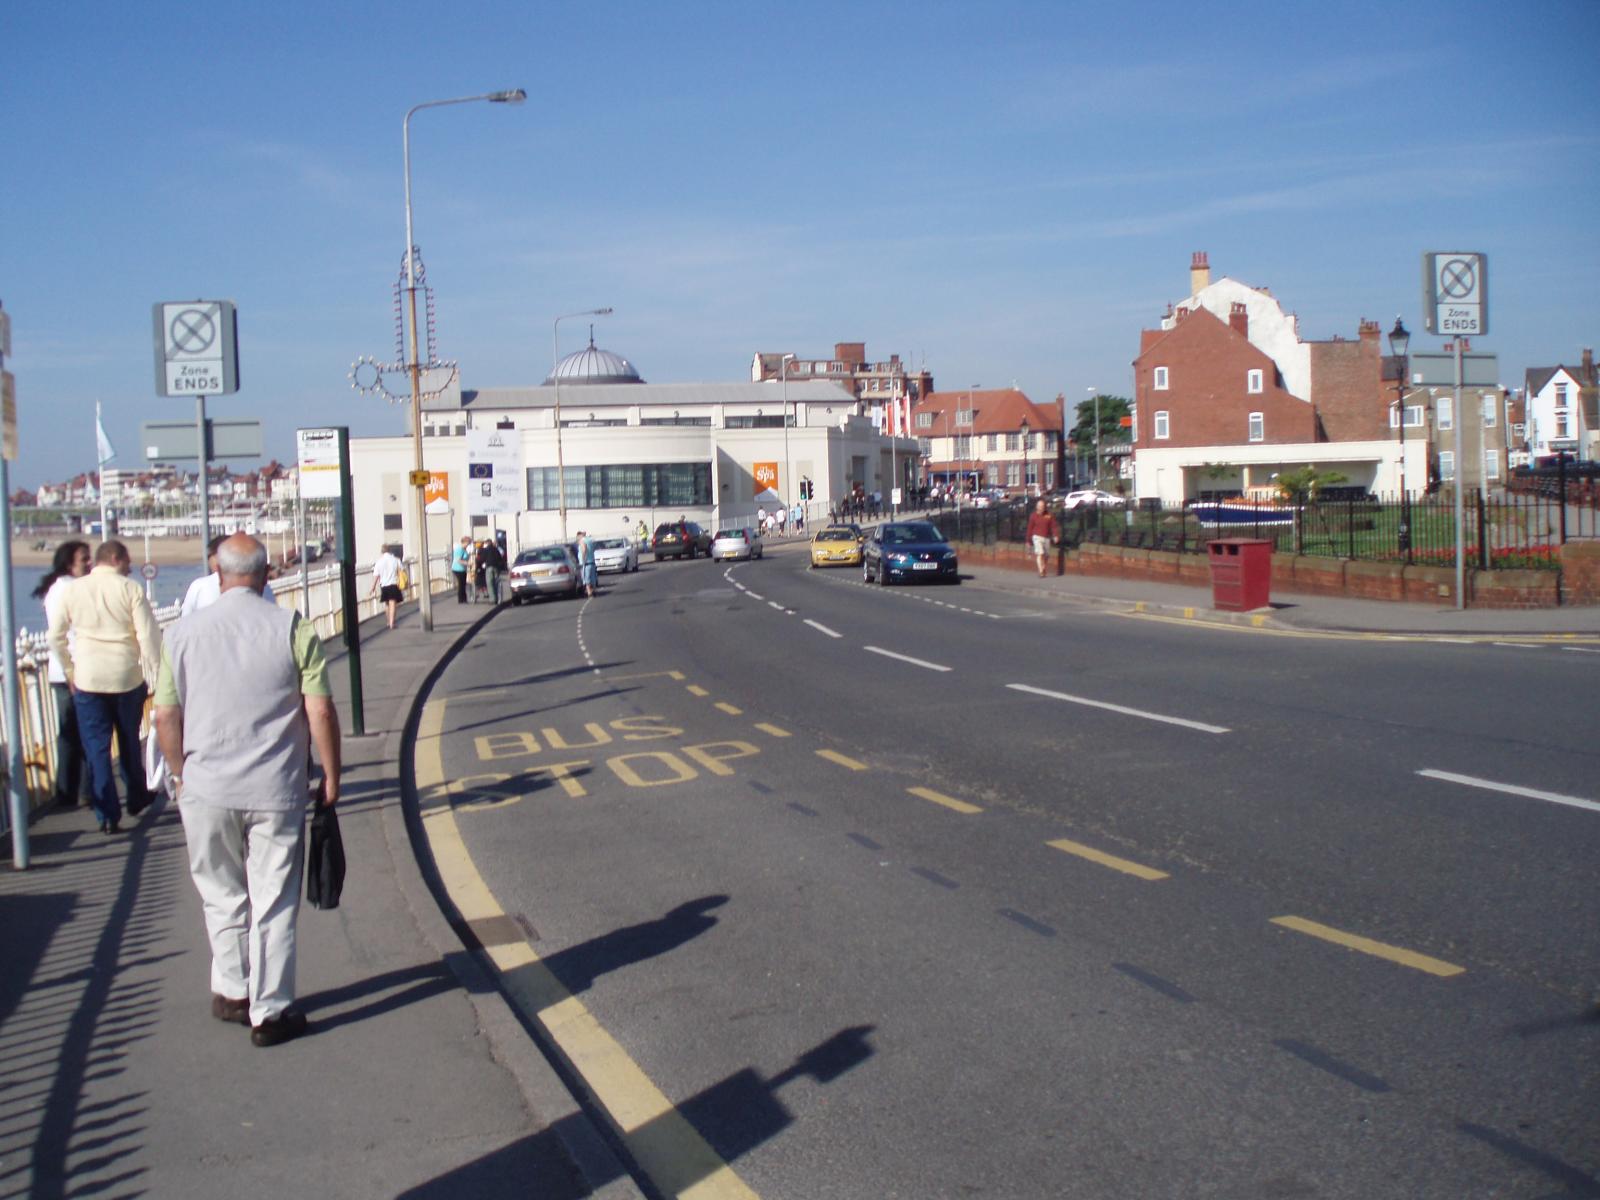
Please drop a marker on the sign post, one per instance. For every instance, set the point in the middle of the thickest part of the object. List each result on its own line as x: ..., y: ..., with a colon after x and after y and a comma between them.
x: 16, y: 781
x: 324, y: 457
x: 197, y: 354
x: 1455, y: 305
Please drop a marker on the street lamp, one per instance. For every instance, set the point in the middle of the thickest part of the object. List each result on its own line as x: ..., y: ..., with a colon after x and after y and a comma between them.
x: 1025, y: 492
x: 783, y: 379
x: 1095, y: 392
x: 419, y: 474
x: 555, y: 379
x: 1399, y: 343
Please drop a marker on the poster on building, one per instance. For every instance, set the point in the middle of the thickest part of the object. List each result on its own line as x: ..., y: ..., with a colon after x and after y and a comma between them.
x: 766, y: 480
x: 436, y: 494
x: 495, y: 480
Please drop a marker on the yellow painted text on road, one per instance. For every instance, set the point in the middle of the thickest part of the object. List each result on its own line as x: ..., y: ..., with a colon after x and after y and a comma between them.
x: 1351, y: 941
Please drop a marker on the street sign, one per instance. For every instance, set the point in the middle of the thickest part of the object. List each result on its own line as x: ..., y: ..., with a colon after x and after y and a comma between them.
x: 1455, y: 293
x: 318, y: 455
x: 766, y: 480
x: 197, y: 351
x: 495, y: 479
x: 149, y: 571
x: 8, y: 416
x: 165, y: 441
x: 1434, y: 369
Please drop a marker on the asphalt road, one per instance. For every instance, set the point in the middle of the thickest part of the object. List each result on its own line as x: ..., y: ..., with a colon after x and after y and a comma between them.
x: 943, y: 891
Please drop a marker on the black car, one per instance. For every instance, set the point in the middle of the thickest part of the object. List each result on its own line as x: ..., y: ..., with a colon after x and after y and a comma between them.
x: 679, y: 539
x: 908, y: 550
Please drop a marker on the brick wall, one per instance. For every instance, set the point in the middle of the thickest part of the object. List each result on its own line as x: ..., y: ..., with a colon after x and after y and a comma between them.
x: 1207, y: 400
x: 1347, y: 387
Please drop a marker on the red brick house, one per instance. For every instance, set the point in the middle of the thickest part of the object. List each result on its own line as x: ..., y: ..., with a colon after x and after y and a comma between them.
x: 977, y: 436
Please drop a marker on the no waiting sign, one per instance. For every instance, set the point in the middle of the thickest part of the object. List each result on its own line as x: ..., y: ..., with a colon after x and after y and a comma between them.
x: 197, y: 350
x: 1455, y: 293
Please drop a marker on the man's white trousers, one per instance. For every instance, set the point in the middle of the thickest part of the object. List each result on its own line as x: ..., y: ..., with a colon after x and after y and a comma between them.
x: 247, y: 866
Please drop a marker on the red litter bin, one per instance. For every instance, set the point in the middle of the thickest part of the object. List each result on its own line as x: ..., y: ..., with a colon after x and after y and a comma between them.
x: 1241, y: 573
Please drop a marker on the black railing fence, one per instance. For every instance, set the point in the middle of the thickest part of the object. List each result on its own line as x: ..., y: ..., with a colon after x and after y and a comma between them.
x: 1502, y: 531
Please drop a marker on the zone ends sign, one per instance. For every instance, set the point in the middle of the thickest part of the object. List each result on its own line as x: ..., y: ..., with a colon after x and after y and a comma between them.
x: 1455, y: 293
x: 197, y: 350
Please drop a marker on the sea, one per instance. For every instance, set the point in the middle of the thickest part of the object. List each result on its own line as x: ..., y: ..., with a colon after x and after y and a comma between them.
x: 168, y: 587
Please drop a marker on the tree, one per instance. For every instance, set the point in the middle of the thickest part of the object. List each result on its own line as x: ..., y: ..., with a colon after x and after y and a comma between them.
x: 1112, y: 411
x: 1305, y: 485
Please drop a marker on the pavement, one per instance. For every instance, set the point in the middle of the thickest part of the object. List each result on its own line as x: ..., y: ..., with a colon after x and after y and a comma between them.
x: 417, y: 1078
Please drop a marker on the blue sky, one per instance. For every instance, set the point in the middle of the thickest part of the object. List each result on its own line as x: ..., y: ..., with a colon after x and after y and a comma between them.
x: 1008, y: 192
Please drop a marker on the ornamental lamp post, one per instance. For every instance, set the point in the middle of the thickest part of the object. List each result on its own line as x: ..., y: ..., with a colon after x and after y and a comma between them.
x: 1025, y: 492
x: 1399, y: 343
x: 555, y: 381
x: 419, y: 474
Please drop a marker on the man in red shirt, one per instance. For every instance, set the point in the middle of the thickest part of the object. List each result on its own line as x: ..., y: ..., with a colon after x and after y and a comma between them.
x: 1043, y: 532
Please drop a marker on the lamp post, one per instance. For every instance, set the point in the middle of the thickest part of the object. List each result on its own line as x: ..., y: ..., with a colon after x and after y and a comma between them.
x: 1025, y: 492
x: 783, y: 381
x: 1399, y: 343
x: 419, y: 474
x: 1095, y: 393
x: 555, y: 380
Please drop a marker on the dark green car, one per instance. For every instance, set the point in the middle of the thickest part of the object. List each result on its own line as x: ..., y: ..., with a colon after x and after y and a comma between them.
x: 679, y: 539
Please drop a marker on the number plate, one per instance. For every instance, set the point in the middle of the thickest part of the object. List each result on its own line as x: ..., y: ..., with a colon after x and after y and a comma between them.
x: 924, y: 566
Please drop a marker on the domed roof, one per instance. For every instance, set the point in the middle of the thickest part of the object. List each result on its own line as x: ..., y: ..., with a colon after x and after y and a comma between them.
x: 591, y: 365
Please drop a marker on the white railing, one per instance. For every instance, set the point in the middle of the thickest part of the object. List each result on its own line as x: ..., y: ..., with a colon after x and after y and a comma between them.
x: 318, y: 597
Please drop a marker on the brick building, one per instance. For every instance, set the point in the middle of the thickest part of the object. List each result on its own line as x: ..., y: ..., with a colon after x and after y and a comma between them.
x: 887, y: 390
x: 989, y: 438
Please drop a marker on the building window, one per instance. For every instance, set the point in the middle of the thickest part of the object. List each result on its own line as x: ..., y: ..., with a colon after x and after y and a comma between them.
x: 1491, y: 464
x: 1160, y: 381
x: 1162, y: 428
x: 1049, y: 476
x: 623, y: 485
x: 964, y: 446
x: 1562, y: 418
x: 963, y: 418
x: 1446, y: 417
x: 1258, y: 427
x: 1447, y: 464
x: 1561, y: 395
x: 1489, y: 406
x: 760, y: 421
x: 1414, y: 417
x: 391, y: 521
x: 1049, y: 439
x: 1013, y: 474
x: 1013, y: 441
x: 1253, y: 382
x: 991, y: 475
x: 924, y: 420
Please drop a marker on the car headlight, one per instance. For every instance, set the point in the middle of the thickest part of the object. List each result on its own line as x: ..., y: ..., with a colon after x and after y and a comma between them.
x: 900, y: 558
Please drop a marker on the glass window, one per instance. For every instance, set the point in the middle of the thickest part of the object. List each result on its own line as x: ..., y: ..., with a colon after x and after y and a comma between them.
x: 1253, y: 381
x: 963, y: 418
x: 623, y: 485
x: 1561, y: 423
x: 1013, y: 441
x: 1258, y: 427
x: 1447, y: 464
x: 1160, y: 383
x: 1491, y: 464
x: 1446, y: 419
x: 924, y: 420
x: 1013, y: 474
x: 1488, y: 412
x: 1162, y: 428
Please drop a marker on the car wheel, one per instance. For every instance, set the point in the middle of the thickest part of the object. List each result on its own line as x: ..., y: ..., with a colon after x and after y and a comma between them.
x: 866, y: 571
x: 883, y: 573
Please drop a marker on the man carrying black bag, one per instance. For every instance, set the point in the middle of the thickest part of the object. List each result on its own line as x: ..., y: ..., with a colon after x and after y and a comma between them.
x: 243, y: 688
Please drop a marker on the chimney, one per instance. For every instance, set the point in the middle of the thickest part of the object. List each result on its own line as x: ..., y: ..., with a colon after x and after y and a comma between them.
x: 1588, y: 367
x: 1239, y: 320
x: 1199, y: 272
x: 1368, y: 330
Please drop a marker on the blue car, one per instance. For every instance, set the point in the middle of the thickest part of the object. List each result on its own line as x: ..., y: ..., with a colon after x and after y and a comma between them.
x: 908, y: 550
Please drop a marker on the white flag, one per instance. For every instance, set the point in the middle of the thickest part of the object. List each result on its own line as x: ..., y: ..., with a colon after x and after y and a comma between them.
x: 104, y: 443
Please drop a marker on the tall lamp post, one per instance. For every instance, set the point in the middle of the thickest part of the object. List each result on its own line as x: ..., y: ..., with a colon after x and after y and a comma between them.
x: 555, y: 379
x: 1025, y: 492
x: 419, y: 474
x: 783, y: 381
x: 1095, y: 394
x: 1399, y: 343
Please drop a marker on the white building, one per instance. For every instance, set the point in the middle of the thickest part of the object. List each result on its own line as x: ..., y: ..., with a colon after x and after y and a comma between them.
x: 1559, y: 403
x: 630, y: 451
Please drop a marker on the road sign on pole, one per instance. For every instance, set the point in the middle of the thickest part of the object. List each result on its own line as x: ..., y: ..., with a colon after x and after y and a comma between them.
x: 197, y: 348
x: 1455, y: 293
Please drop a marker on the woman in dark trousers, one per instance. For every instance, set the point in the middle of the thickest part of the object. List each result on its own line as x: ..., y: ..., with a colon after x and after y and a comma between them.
x: 71, y: 562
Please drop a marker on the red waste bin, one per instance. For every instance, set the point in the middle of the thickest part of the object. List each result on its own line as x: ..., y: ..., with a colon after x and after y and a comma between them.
x: 1241, y: 573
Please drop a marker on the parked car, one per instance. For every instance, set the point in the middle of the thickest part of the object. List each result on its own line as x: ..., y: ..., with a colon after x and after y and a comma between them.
x: 1093, y: 498
x: 836, y: 546
x: 615, y: 554
x: 736, y: 543
x: 679, y: 539
x: 908, y: 550
x: 543, y: 571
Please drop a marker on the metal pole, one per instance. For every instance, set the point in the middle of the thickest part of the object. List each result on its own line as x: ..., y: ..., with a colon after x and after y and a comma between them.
x: 1461, y: 481
x: 17, y: 782
x: 204, y: 455
x: 305, y: 565
x: 347, y: 570
x: 561, y: 466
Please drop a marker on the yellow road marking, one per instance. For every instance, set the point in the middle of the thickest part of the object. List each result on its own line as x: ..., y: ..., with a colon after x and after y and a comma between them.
x: 729, y: 709
x: 1126, y: 866
x: 677, y: 675
x: 1406, y: 958
x: 960, y: 806
x: 834, y: 756
x: 696, y: 690
x: 772, y: 730
x: 661, y: 1140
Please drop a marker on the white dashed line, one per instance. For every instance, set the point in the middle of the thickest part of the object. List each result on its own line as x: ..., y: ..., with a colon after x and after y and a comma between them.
x: 1581, y: 650
x: 820, y: 628
x: 754, y: 595
x: 1518, y: 645
x: 906, y: 658
x: 1118, y: 708
x: 1512, y: 789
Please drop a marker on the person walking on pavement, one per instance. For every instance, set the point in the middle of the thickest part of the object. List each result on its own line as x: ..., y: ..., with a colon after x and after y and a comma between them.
x: 643, y: 533
x: 586, y: 568
x: 460, y: 560
x: 205, y: 590
x: 1043, y: 532
x: 70, y: 563
x: 243, y: 690
x: 493, y: 564
x: 113, y: 653
x: 386, y: 582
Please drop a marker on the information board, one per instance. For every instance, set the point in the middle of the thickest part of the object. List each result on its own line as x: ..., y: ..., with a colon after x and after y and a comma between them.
x: 495, y: 480
x: 319, y: 463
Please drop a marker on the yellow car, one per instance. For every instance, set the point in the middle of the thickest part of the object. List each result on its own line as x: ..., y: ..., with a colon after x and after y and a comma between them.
x: 835, y: 546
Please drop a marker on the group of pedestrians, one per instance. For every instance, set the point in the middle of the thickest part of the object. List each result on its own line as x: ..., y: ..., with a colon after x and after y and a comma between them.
x: 240, y: 692
x: 480, y: 566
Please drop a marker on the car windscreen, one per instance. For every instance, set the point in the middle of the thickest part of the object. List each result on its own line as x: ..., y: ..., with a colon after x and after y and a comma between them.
x: 836, y: 535
x: 611, y: 544
x: 544, y: 554
x: 906, y: 535
x: 731, y: 535
x: 666, y: 531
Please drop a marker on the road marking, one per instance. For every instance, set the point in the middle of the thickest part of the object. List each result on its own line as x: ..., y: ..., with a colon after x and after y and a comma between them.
x: 1118, y: 708
x: 906, y: 658
x: 754, y: 595
x: 772, y: 730
x: 821, y: 628
x: 677, y: 675
x: 1512, y: 789
x: 695, y: 689
x: 729, y: 708
x: 1124, y: 865
x: 834, y: 756
x: 667, y: 1147
x: 950, y: 802
x: 774, y: 604
x: 1351, y: 941
x: 1581, y: 650
x: 1518, y: 645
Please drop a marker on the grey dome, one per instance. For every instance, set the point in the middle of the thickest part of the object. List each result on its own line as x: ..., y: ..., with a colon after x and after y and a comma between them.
x: 591, y: 365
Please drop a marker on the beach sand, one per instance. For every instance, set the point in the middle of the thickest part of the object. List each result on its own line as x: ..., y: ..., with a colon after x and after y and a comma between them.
x: 164, y: 552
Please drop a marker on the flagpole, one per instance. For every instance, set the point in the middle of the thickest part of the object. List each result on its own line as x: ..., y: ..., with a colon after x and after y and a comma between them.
x: 101, y: 459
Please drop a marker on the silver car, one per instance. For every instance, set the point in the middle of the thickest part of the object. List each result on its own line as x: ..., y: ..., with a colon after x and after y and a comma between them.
x: 543, y: 571
x: 615, y: 554
x: 735, y: 543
